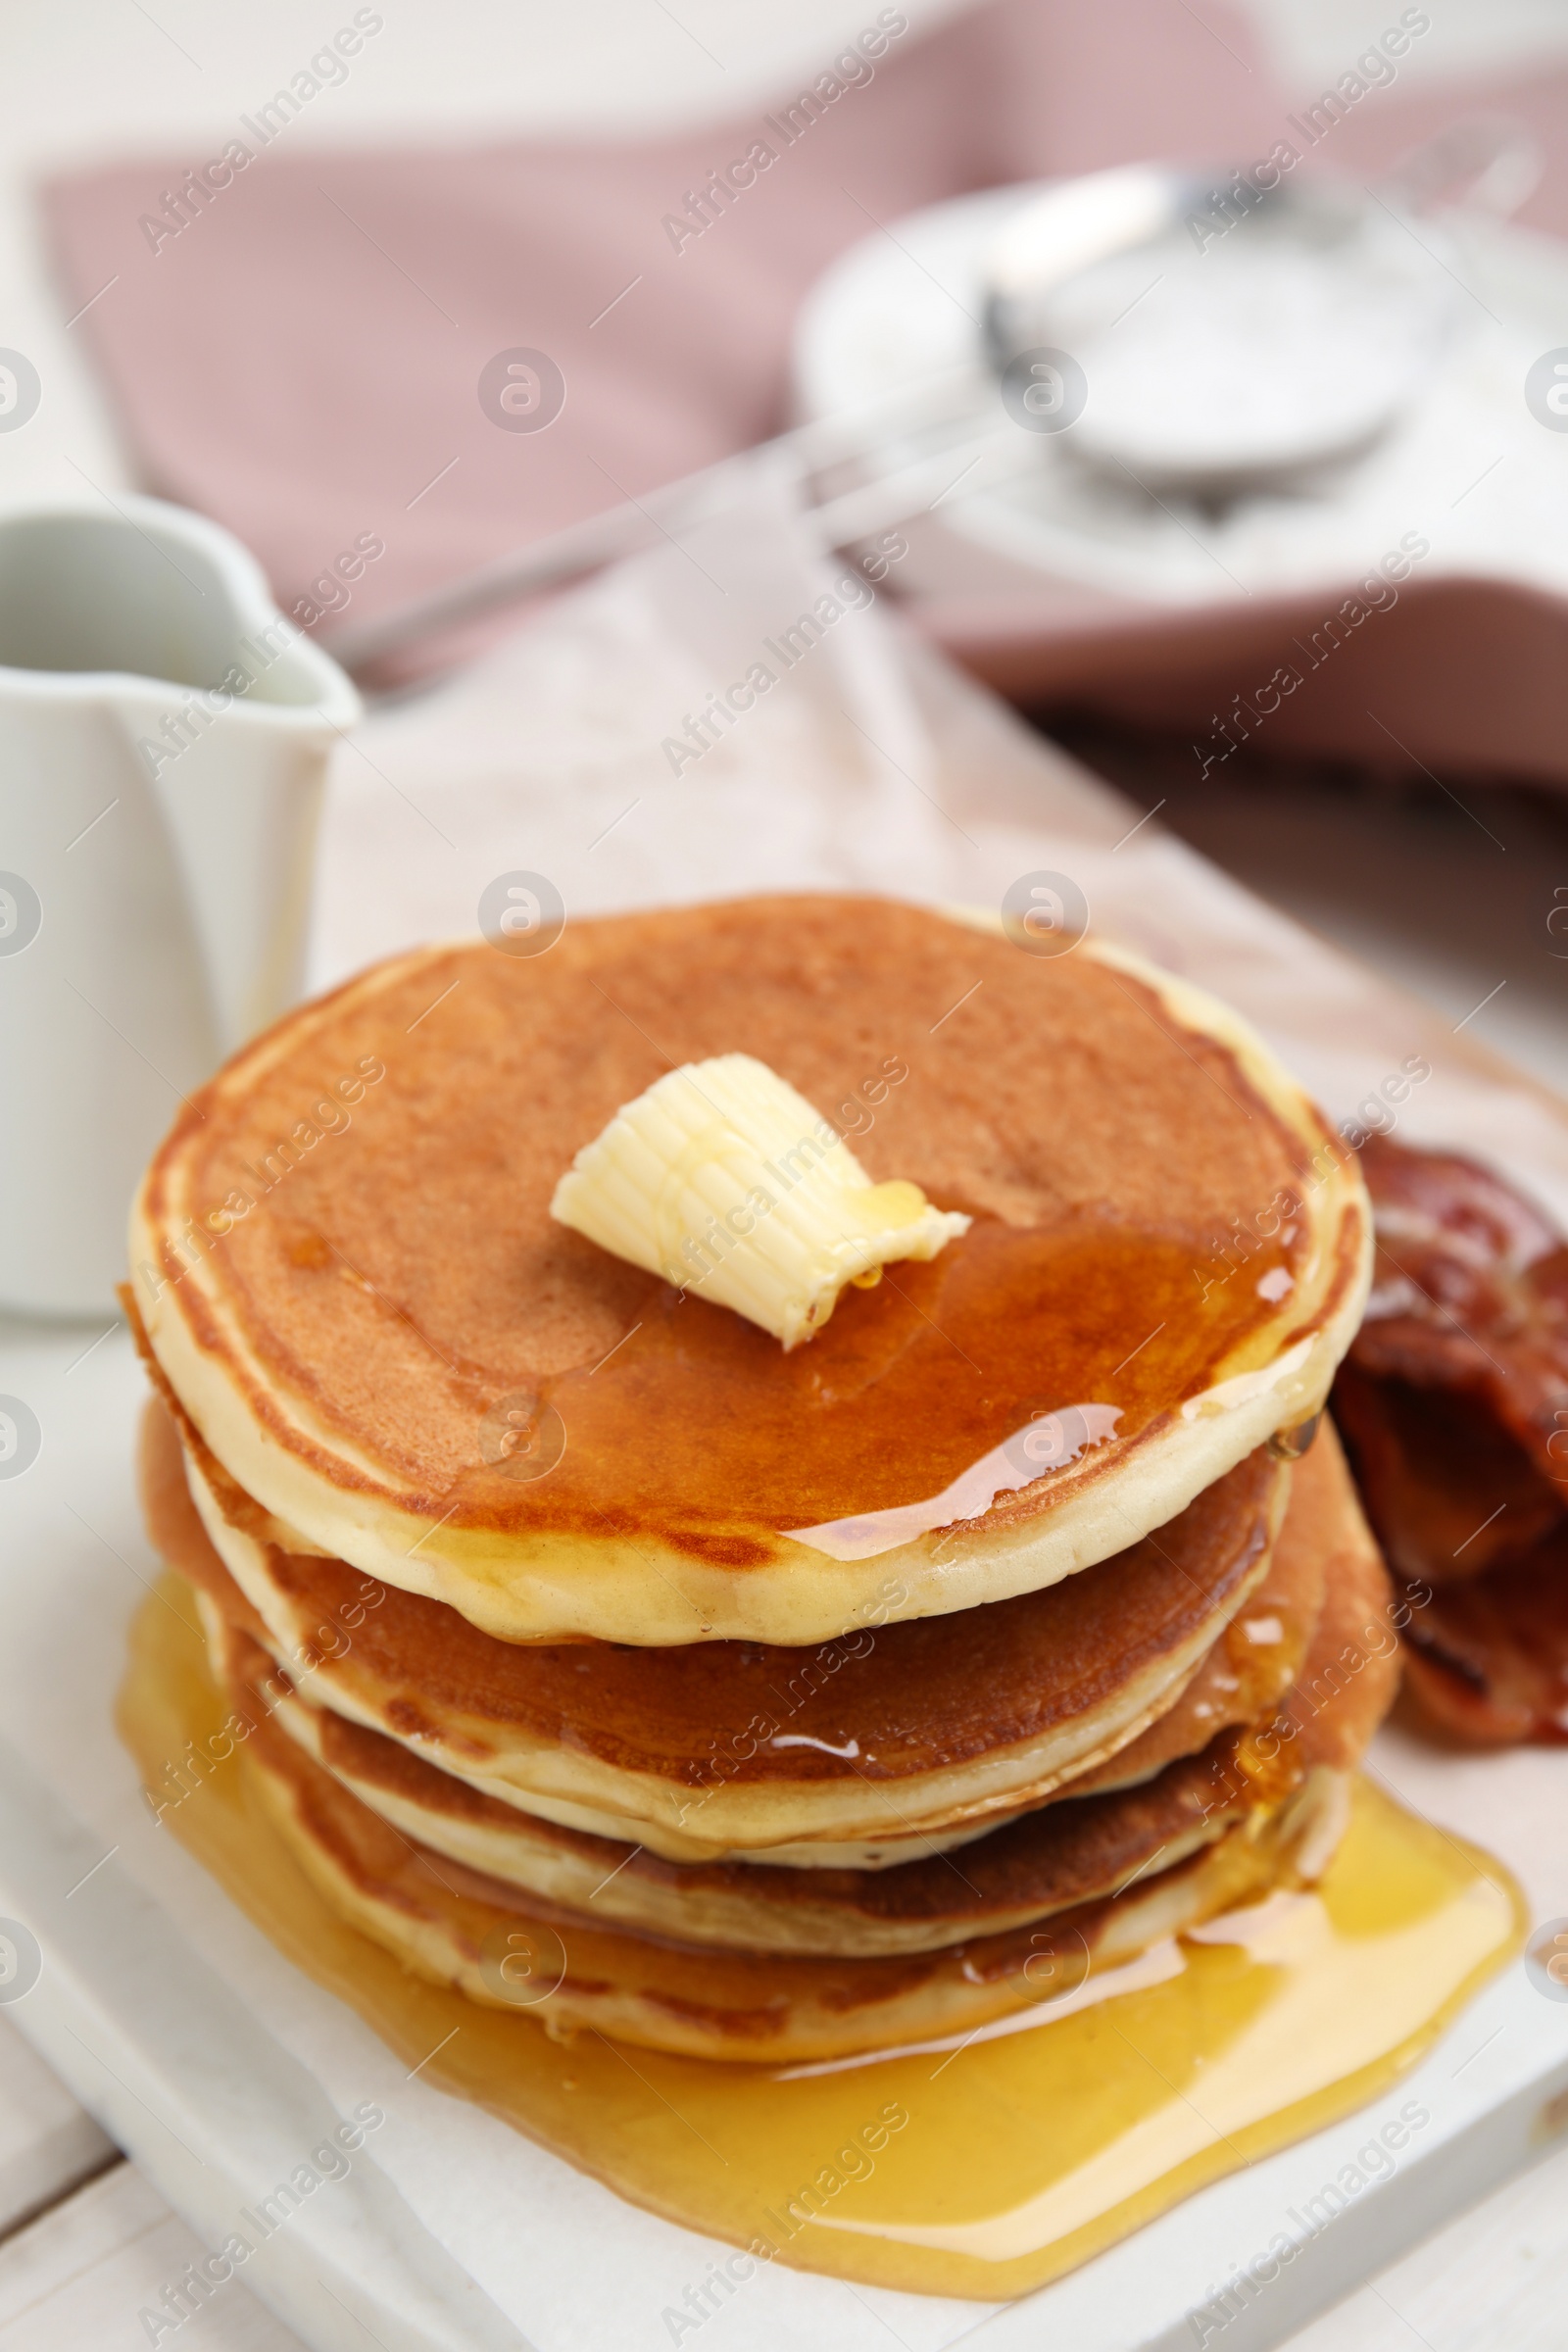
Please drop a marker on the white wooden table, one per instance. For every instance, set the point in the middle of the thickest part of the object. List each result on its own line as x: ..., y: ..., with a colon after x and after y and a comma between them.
x: 87, y: 2244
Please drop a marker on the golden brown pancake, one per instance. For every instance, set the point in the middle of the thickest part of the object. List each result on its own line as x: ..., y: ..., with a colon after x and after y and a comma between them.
x: 889, y: 1737
x: 1078, y: 1848
x: 1039, y: 1863
x: 346, y: 1266
x: 457, y: 1925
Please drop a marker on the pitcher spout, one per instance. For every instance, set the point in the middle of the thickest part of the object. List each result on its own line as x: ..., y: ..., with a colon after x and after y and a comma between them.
x: 164, y: 738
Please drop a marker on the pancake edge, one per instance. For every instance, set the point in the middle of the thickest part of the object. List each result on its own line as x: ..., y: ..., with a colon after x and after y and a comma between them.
x: 777, y: 1821
x: 547, y: 1588
x: 1250, y: 1859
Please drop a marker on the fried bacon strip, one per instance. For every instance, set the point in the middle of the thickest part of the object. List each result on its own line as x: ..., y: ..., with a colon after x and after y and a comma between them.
x: 1453, y: 1406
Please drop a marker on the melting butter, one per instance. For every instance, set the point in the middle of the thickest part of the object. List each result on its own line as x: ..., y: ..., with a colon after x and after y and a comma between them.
x: 726, y: 1181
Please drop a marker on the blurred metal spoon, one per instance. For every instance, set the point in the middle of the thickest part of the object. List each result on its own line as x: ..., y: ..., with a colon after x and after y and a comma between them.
x: 912, y: 442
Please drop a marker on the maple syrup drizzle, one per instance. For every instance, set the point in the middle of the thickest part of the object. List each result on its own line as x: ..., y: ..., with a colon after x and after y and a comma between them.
x: 982, y: 2172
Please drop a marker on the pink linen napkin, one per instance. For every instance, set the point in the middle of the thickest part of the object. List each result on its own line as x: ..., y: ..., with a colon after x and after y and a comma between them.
x: 297, y: 352
x: 298, y: 345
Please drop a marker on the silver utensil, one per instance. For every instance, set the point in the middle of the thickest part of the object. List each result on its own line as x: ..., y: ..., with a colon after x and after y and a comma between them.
x: 987, y: 423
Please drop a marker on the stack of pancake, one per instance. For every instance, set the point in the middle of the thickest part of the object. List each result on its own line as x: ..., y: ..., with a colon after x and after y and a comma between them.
x: 597, y: 1655
x: 1454, y: 1404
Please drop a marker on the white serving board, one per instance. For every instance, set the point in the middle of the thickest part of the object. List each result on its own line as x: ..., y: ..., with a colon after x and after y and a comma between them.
x: 211, y: 2059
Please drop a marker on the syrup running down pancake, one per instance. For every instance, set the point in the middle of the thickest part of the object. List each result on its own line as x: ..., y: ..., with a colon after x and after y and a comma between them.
x: 346, y: 1266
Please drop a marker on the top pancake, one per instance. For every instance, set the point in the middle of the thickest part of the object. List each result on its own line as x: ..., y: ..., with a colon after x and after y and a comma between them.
x: 345, y: 1263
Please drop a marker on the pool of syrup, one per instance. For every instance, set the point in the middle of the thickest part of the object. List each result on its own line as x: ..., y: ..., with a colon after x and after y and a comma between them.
x: 982, y: 2171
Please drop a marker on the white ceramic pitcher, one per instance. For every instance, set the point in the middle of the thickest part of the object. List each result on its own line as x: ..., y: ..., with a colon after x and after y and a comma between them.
x: 164, y: 737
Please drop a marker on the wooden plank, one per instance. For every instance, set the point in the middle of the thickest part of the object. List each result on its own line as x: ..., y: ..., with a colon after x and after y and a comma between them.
x: 82, y: 2277
x: 48, y: 2144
